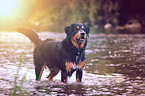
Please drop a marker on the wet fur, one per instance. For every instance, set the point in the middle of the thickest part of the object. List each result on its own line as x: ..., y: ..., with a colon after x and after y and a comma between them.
x: 67, y: 55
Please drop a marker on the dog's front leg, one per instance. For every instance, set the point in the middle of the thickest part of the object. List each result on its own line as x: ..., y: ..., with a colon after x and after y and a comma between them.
x: 79, y: 74
x: 64, y: 76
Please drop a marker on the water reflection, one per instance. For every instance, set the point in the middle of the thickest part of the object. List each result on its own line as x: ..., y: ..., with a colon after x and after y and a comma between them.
x: 116, y: 52
x: 115, y: 65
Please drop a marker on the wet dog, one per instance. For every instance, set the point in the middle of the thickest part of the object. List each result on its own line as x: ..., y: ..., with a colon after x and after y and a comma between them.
x: 67, y: 55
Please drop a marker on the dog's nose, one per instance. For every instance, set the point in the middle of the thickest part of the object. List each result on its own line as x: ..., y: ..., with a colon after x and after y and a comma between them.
x: 82, y: 35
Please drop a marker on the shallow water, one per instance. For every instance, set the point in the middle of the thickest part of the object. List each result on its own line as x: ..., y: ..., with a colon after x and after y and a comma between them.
x: 115, y: 65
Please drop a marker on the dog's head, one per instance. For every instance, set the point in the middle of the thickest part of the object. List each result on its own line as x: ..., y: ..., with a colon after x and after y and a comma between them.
x: 78, y: 34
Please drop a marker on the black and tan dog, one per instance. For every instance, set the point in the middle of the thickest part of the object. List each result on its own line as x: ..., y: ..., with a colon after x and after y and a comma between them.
x: 67, y: 55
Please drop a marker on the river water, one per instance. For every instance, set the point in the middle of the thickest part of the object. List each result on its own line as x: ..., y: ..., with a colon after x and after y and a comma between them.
x: 115, y: 65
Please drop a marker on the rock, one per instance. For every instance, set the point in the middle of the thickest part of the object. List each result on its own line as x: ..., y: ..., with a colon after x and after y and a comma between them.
x: 107, y: 26
x: 132, y: 24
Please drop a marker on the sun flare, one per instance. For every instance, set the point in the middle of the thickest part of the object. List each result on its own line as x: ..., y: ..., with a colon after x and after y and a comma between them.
x: 7, y: 6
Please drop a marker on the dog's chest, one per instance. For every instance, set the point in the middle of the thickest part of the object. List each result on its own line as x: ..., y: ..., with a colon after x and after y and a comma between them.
x: 76, y: 63
x: 71, y: 57
x: 71, y: 65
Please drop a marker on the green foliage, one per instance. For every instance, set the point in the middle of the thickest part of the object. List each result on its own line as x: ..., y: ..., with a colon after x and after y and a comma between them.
x: 16, y: 86
x: 44, y: 15
x: 64, y: 12
x: 94, y: 7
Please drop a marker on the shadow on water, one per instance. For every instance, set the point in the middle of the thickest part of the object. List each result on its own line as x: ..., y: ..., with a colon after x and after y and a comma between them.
x: 115, y: 65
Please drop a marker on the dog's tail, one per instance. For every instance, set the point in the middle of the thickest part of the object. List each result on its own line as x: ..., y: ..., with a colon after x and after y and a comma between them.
x: 31, y: 34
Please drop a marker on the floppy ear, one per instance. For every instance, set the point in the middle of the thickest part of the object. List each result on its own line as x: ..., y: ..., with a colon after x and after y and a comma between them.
x: 68, y: 30
x: 87, y: 30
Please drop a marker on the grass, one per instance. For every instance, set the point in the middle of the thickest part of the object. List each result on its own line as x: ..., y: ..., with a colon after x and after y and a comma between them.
x: 17, y: 87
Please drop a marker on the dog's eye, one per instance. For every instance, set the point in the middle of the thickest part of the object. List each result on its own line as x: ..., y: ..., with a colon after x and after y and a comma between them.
x: 78, y: 27
x: 83, y: 27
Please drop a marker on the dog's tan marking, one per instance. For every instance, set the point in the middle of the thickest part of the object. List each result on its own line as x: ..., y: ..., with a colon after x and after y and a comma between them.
x: 69, y: 66
x: 78, y: 27
x: 78, y: 80
x: 53, y: 73
x: 80, y: 65
x: 42, y: 69
x: 82, y: 44
x: 83, y: 27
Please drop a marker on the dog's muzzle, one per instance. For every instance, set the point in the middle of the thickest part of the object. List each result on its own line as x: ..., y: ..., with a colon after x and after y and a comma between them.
x: 82, y: 37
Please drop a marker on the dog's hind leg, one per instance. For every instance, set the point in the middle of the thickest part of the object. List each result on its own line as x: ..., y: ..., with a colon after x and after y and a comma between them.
x: 42, y: 69
x: 39, y: 70
x: 39, y: 65
x: 53, y: 73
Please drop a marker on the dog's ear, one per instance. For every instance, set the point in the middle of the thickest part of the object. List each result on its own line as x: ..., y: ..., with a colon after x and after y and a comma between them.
x: 87, y: 31
x: 68, y: 30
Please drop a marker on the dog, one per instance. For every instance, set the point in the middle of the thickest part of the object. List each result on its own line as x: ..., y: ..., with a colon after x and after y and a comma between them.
x: 67, y: 55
